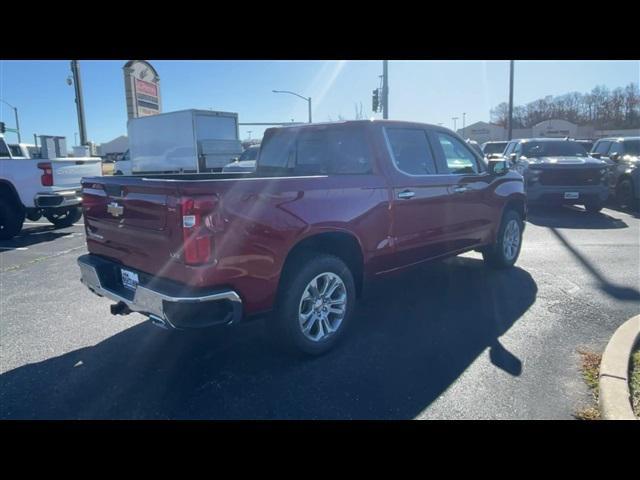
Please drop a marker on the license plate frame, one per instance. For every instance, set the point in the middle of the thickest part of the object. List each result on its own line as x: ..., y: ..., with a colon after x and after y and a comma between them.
x: 571, y: 195
x: 130, y: 280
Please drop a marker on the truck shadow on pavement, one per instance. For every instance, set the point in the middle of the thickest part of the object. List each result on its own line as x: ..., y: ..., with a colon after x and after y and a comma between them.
x: 412, y: 337
x: 572, y: 217
x: 34, y: 236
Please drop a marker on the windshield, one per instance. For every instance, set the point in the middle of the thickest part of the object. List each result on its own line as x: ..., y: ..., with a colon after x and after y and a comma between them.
x: 249, y: 154
x: 560, y: 148
x: 490, y: 148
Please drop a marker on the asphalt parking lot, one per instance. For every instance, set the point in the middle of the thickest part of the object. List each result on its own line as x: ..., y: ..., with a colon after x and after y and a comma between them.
x: 450, y: 340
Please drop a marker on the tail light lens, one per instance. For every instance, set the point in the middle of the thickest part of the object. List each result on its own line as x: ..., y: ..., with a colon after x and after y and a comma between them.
x: 46, y: 179
x: 197, y: 231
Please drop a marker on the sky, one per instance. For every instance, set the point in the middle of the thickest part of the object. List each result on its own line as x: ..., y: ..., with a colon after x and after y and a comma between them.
x: 424, y: 91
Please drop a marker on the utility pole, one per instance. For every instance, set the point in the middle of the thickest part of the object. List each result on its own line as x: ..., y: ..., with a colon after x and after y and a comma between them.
x: 385, y: 89
x: 463, y: 122
x: 454, y: 122
x: 75, y: 70
x: 510, y: 119
x: 308, y: 99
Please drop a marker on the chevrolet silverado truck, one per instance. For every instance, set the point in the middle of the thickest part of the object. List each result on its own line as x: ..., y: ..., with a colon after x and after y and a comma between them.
x: 36, y: 187
x: 559, y: 171
x: 329, y: 208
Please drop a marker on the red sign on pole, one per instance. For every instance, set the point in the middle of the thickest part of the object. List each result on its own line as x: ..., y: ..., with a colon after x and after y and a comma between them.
x: 146, y: 88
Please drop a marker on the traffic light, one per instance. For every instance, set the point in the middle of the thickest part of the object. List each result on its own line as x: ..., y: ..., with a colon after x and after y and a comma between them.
x: 2, y: 129
x: 376, y: 100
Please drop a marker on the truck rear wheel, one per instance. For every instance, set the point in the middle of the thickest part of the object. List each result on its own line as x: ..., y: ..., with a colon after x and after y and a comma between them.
x: 315, y: 304
x: 505, y: 251
x: 11, y: 219
x: 64, y: 217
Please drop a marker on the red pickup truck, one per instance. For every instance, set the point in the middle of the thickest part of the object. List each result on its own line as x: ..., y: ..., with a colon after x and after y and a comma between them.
x: 330, y: 207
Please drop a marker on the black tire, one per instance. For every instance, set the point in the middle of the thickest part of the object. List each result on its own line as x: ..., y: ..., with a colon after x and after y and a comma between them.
x: 11, y: 219
x: 64, y: 217
x: 594, y: 207
x: 495, y: 256
x: 625, y: 194
x: 285, y: 327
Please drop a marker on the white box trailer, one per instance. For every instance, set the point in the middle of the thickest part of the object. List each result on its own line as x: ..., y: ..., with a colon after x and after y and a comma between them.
x: 187, y: 141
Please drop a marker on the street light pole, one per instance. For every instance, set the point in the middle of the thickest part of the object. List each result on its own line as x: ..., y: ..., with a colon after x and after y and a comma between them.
x: 463, y: 122
x: 510, y: 100
x: 454, y: 122
x: 15, y: 113
x: 308, y: 99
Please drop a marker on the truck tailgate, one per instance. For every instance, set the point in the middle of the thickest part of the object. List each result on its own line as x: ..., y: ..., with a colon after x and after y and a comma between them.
x: 132, y: 220
x: 68, y: 172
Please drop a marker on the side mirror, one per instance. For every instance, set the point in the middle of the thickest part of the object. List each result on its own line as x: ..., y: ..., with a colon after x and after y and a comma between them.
x: 614, y: 157
x: 513, y: 157
x: 595, y: 155
x: 498, y: 167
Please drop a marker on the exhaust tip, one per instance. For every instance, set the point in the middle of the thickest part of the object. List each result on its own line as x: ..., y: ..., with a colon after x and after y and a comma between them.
x: 159, y: 322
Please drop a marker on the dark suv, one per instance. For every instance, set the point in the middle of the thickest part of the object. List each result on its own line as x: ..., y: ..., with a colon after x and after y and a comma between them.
x: 623, y: 155
x: 559, y: 171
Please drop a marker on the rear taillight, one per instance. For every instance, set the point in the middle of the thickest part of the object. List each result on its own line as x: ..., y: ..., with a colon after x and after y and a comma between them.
x: 47, y: 174
x: 197, y: 233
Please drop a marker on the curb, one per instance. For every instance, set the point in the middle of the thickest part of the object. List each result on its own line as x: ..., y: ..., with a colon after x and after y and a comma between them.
x: 615, y: 399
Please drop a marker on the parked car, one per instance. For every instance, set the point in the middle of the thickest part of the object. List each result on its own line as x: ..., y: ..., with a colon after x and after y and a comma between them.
x: 122, y: 166
x: 245, y: 163
x: 36, y: 187
x: 623, y: 154
x: 330, y: 207
x: 559, y: 171
x: 493, y: 149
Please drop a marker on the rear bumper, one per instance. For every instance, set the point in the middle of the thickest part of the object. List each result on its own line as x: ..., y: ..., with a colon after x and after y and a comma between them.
x: 62, y: 198
x: 166, y: 303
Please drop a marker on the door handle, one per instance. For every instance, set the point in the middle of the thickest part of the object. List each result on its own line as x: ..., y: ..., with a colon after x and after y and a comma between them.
x: 406, y: 195
x: 460, y: 189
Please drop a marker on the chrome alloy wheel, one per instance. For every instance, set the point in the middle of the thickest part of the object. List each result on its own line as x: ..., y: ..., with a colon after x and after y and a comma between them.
x: 511, y: 240
x: 322, y: 307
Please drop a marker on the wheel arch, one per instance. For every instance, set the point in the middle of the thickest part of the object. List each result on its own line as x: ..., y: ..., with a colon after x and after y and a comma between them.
x: 8, y: 192
x: 343, y: 244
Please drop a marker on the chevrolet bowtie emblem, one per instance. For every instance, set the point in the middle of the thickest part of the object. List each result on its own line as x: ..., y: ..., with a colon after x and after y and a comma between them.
x: 114, y: 209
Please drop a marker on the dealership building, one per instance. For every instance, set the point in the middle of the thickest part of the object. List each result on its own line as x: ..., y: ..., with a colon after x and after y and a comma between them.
x: 483, y: 132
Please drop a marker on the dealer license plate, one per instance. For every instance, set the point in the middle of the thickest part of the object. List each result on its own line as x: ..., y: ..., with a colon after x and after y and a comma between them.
x: 129, y: 279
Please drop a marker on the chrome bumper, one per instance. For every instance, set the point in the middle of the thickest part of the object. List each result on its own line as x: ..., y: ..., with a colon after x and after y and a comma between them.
x: 161, y: 302
x: 66, y: 198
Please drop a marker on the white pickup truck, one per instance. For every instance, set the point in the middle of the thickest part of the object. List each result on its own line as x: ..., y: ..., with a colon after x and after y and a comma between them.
x: 35, y: 187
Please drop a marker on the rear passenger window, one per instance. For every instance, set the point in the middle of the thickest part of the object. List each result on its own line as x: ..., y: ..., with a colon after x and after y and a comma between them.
x: 4, y: 151
x: 411, y: 151
x: 459, y: 158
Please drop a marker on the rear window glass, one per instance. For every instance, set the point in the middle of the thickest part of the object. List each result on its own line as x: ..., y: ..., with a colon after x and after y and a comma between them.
x: 15, y: 150
x: 312, y: 152
x: 411, y: 151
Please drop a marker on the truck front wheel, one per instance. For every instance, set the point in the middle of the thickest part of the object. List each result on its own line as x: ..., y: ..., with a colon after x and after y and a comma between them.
x: 64, y: 217
x: 315, y: 304
x: 11, y: 219
x: 505, y: 251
